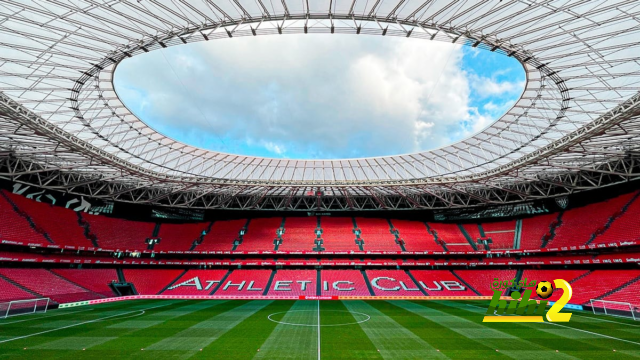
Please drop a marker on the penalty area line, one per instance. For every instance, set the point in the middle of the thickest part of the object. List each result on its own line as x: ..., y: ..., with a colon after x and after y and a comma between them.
x: 611, y: 321
x: 586, y: 331
x: 42, y: 317
x: 78, y: 324
x: 594, y: 333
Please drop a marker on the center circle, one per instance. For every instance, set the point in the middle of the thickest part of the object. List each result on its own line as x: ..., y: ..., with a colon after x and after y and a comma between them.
x: 364, y: 317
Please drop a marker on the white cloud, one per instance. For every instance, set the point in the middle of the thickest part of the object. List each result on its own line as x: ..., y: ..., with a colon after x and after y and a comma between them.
x: 313, y: 96
x: 485, y: 86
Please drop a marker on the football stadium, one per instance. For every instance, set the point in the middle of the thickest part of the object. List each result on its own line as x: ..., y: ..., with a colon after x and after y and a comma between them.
x: 519, y: 238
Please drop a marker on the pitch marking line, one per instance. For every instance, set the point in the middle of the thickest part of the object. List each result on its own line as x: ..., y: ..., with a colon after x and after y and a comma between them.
x: 82, y: 323
x: 43, y: 317
x: 590, y: 332
x: 314, y: 325
x: 611, y: 321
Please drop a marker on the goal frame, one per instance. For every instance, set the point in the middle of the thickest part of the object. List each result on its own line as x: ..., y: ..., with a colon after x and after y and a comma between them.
x: 7, y: 313
x: 632, y: 311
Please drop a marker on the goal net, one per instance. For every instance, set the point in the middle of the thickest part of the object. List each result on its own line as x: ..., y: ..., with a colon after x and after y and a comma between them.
x: 21, y: 307
x: 615, y: 308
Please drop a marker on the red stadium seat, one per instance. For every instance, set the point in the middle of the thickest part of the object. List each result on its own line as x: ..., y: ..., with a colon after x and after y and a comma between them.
x: 481, y: 280
x: 338, y: 234
x: 120, y: 234
x: 415, y: 236
x: 451, y: 235
x: 392, y: 283
x: 578, y: 225
x: 245, y: 283
x: 10, y: 292
x: 222, y: 236
x: 14, y: 227
x: 179, y: 237
x: 49, y: 285
x: 441, y: 283
x: 260, y: 235
x: 294, y: 283
x: 299, y: 234
x: 196, y: 282
x: 343, y: 283
x: 376, y: 235
x: 60, y: 224
x: 534, y: 229
x: 151, y: 281
x: 96, y: 280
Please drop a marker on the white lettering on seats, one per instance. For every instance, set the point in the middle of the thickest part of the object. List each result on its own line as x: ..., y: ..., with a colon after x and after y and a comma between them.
x: 453, y: 286
x: 335, y: 286
x: 282, y: 286
x: 210, y: 283
x: 303, y: 284
x: 251, y: 288
x: 438, y: 288
x: 191, y: 282
x: 406, y: 288
x: 228, y: 284
x: 374, y: 282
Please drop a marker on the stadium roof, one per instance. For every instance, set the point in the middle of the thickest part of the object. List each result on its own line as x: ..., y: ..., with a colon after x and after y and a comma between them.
x: 575, y: 127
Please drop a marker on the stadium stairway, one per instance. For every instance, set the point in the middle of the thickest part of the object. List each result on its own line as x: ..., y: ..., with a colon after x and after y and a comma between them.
x: 468, y: 237
x: 97, y: 295
x: 278, y: 240
x: 222, y: 281
x: 27, y: 290
x: 581, y: 276
x: 200, y: 239
x: 268, y: 286
x: 552, y: 230
x: 237, y: 242
x: 366, y: 281
x: 172, y: 282
x: 87, y: 230
x: 25, y: 216
x: 154, y: 235
x: 435, y: 237
x: 466, y: 283
x: 396, y: 234
x: 613, y: 218
x: 415, y: 282
x: 518, y: 235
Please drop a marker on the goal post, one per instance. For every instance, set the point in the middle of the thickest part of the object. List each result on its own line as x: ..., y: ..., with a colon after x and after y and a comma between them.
x: 615, y: 308
x: 23, y: 307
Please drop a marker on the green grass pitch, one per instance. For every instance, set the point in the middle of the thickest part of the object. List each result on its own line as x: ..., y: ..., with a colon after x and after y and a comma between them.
x: 262, y: 329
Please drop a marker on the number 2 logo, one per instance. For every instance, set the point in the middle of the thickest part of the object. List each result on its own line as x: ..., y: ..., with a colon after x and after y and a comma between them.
x: 554, y: 314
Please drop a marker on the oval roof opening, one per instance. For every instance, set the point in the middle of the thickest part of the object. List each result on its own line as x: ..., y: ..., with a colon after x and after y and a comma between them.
x: 319, y: 96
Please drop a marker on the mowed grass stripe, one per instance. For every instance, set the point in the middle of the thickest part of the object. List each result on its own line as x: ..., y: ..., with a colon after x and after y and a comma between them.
x: 69, y: 325
x: 40, y: 322
x: 438, y: 334
x: 473, y: 338
x: 291, y: 341
x: 243, y: 341
x: 392, y: 339
x: 567, y: 340
x: 203, y: 332
x: 133, y: 337
x: 345, y: 341
x: 74, y: 338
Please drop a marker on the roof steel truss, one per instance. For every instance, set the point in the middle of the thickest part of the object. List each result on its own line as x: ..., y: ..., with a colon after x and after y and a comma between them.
x: 576, y: 126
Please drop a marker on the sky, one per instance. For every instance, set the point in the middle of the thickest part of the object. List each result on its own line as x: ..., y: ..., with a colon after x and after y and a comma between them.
x: 319, y: 96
